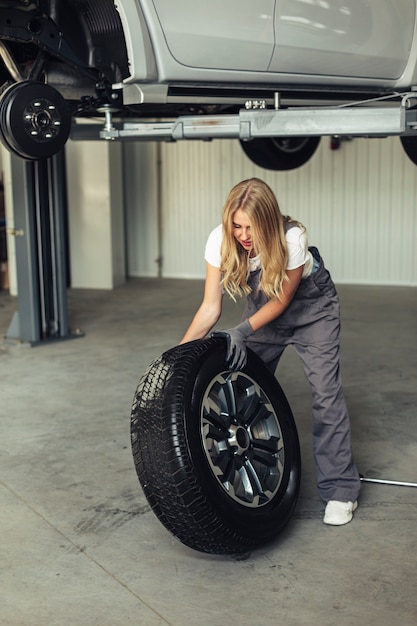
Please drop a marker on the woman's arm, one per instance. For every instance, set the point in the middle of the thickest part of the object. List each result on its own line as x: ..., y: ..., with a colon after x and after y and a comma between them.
x: 273, y: 308
x: 210, y: 309
x: 236, y: 337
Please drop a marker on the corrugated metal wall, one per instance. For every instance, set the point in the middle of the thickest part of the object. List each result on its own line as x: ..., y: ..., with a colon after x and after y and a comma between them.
x: 141, y: 184
x: 358, y: 204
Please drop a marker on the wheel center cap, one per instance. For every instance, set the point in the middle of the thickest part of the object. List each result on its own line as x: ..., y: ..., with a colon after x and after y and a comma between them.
x: 239, y: 438
x: 41, y: 120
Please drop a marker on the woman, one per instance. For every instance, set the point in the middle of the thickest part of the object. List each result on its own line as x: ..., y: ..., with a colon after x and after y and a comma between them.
x: 291, y: 299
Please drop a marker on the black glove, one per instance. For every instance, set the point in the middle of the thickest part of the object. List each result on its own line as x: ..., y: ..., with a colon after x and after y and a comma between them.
x: 236, y: 344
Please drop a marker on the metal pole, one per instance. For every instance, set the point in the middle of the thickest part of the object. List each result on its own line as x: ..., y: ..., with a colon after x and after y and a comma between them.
x: 39, y: 200
x: 398, y: 483
x: 57, y: 204
x: 26, y: 323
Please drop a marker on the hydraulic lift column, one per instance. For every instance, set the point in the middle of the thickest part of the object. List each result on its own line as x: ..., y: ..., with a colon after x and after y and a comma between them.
x: 39, y: 208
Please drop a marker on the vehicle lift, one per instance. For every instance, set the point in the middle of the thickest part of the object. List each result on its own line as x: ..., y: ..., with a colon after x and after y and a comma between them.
x: 377, y: 117
x: 39, y: 231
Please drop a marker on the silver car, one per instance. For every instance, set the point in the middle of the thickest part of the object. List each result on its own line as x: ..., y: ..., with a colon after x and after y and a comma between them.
x: 275, y: 74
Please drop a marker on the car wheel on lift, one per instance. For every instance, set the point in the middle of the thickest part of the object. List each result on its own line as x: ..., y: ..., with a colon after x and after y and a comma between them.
x: 216, y: 451
x: 280, y: 153
x: 35, y: 120
x: 409, y: 143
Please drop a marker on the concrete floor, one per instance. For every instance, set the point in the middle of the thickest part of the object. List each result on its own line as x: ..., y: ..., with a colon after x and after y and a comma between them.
x: 79, y: 544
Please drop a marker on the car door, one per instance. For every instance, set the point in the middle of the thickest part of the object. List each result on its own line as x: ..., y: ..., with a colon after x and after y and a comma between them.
x: 369, y: 39
x: 219, y: 34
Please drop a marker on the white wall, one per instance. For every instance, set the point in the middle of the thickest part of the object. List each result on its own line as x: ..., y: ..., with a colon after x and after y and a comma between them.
x: 358, y: 204
x: 96, y: 214
x: 10, y: 224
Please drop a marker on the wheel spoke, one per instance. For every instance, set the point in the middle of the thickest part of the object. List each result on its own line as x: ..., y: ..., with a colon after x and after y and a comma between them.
x: 265, y: 452
x: 220, y: 405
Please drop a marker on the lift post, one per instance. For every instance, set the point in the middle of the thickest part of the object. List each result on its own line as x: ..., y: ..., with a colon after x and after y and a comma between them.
x: 39, y: 208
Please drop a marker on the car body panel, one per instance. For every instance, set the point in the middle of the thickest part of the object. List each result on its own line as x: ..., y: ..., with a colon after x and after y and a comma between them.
x: 353, y: 43
x: 352, y: 38
x: 219, y: 34
x: 142, y: 66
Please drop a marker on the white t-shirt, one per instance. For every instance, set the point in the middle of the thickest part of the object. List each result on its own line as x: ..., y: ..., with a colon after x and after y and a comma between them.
x: 297, y: 243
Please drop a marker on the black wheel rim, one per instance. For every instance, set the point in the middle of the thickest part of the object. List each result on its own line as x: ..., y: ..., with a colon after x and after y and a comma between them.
x: 289, y: 145
x: 35, y: 120
x: 280, y: 153
x: 41, y: 120
x: 242, y: 439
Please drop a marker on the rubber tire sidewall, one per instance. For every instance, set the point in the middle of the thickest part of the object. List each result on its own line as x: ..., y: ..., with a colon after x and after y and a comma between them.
x: 269, y: 519
x: 266, y: 153
x: 409, y: 144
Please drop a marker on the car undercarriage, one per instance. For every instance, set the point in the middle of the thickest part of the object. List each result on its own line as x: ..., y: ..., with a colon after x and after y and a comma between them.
x: 63, y: 60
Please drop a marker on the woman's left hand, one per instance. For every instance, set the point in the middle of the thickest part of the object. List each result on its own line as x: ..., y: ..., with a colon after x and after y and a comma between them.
x: 236, y: 356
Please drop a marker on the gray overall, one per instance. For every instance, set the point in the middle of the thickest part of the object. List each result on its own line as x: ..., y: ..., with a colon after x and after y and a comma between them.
x: 311, y: 323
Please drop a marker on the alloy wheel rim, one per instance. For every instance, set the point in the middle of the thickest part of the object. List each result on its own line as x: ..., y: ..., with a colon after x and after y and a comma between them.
x: 242, y: 439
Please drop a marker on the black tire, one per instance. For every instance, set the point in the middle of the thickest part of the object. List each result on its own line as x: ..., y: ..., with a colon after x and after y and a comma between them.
x: 409, y: 143
x: 35, y: 121
x: 216, y: 452
x: 280, y: 153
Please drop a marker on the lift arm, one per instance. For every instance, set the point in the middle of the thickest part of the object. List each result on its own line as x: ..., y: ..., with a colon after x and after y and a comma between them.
x: 362, y: 120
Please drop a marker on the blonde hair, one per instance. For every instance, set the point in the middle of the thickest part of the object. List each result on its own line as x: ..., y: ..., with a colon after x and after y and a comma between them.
x: 258, y: 201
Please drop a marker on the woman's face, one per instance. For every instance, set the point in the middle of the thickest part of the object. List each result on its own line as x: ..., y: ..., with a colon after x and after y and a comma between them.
x: 242, y: 230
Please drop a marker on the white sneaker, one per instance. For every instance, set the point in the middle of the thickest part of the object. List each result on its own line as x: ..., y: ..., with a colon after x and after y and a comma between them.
x: 339, y: 513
